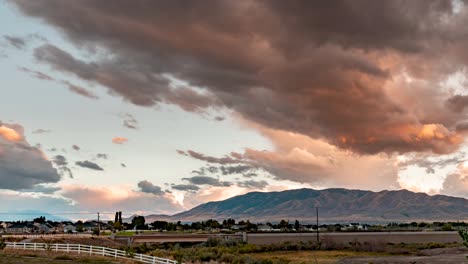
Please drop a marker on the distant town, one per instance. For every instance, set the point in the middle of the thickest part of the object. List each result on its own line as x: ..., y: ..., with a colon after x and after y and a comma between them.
x: 138, y: 224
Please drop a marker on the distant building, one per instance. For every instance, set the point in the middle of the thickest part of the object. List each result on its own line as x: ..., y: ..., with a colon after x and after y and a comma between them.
x: 20, y: 228
x: 69, y: 229
x: 264, y: 228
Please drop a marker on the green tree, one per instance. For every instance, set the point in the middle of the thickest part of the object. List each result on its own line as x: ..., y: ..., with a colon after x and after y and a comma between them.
x: 283, y: 224
x: 464, y: 236
x: 138, y: 221
x: 297, y: 225
x: 40, y: 220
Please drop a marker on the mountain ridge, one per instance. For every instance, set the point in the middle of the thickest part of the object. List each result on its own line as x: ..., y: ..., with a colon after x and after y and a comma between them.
x: 335, y: 205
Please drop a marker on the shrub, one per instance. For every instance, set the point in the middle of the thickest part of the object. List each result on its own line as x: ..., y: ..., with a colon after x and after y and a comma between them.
x: 130, y: 252
x: 464, y: 236
x: 2, y: 244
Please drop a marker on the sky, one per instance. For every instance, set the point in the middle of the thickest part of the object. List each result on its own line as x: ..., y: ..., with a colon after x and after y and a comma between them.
x: 154, y: 107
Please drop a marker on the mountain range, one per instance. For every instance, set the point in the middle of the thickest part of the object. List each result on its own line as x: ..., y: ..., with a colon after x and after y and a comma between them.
x: 335, y: 206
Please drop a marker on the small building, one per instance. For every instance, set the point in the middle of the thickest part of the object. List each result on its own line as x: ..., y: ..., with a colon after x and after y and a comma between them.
x: 69, y: 229
x: 264, y: 228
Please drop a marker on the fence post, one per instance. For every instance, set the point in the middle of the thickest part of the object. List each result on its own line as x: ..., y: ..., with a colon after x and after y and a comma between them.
x: 141, y: 257
x: 34, y: 246
x: 56, y: 247
x: 24, y: 245
x: 154, y: 259
x: 91, y: 250
x: 68, y: 247
x: 14, y: 245
x: 103, y: 248
x: 115, y: 253
x: 79, y: 249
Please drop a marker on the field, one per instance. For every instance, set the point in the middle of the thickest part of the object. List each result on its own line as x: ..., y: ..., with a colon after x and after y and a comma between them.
x: 19, y: 257
x: 312, y: 257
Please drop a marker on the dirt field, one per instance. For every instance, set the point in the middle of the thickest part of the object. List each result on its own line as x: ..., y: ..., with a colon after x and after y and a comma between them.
x: 435, y: 256
x: 313, y: 257
x: 345, y: 238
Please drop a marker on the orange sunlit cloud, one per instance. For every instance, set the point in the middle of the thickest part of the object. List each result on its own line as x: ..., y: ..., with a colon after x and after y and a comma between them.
x: 9, y: 134
x: 119, y: 140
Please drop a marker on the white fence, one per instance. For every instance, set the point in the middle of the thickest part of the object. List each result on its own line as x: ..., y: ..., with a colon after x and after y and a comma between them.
x: 91, y: 250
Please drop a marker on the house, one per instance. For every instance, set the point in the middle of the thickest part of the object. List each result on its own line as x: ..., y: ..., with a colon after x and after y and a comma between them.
x: 69, y: 229
x: 20, y: 228
x: 42, y: 228
x: 264, y: 228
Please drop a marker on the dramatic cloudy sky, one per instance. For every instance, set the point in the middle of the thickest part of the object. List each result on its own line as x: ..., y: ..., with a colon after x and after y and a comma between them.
x: 158, y: 106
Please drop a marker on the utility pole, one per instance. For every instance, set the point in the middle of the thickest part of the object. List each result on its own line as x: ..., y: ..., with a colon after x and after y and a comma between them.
x: 316, y: 212
x: 98, y: 224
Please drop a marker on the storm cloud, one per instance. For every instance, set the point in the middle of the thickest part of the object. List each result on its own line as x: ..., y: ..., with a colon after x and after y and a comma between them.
x: 287, y: 65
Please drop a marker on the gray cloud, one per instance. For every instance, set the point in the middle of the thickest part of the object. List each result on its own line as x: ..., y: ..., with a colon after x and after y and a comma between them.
x: 60, y: 160
x: 148, y: 187
x: 102, y: 156
x: 22, y: 166
x: 36, y: 74
x: 186, y: 187
x: 80, y: 90
x: 71, y: 87
x: 204, y: 180
x: 291, y: 67
x: 41, y: 131
x: 17, y: 42
x: 239, y: 169
x: 89, y: 164
x: 253, y: 184
x: 200, y: 156
x: 432, y: 165
x: 62, y: 165
x: 219, y: 118
x: 130, y: 121
x: 43, y: 189
x: 457, y: 103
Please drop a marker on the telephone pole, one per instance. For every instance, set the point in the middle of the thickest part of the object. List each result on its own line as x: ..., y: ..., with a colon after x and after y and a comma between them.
x: 98, y: 224
x: 316, y: 212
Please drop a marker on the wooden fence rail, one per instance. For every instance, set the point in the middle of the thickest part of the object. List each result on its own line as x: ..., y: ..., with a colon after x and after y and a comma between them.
x: 91, y: 250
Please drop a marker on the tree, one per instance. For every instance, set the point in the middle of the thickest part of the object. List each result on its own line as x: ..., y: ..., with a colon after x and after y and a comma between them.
x: 283, y: 224
x: 79, y: 226
x: 297, y: 225
x: 162, y: 225
x: 138, y: 221
x: 40, y: 220
x: 464, y: 236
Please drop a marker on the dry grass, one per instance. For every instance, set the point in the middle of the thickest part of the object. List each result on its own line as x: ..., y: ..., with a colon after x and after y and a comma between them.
x: 94, y: 241
x: 313, y: 257
x: 20, y: 256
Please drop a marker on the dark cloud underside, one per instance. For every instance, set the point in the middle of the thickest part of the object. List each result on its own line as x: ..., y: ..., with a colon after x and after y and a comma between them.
x: 318, y: 68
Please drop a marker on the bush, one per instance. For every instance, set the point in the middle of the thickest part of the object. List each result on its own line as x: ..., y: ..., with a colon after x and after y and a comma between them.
x: 2, y: 244
x: 130, y: 252
x: 464, y: 236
